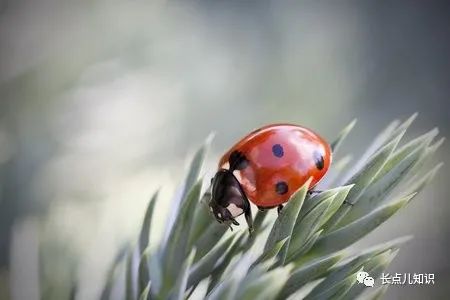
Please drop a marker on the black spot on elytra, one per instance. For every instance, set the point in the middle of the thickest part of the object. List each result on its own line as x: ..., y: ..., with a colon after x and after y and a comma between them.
x: 238, y: 161
x: 281, y: 188
x: 318, y: 160
x: 278, y: 150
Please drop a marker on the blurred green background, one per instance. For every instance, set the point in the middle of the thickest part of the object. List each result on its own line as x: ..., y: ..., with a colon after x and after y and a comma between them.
x: 101, y: 102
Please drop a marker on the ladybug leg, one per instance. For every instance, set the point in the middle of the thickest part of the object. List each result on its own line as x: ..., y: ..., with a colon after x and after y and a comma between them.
x: 279, y: 208
x: 260, y: 208
x: 313, y: 192
x: 235, y: 222
x: 249, y: 218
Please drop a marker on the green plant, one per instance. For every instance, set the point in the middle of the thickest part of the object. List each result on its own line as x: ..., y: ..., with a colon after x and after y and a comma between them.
x: 302, y: 253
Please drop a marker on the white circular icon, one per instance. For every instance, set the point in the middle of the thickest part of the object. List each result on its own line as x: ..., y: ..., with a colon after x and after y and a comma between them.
x: 369, y: 281
x: 363, y: 277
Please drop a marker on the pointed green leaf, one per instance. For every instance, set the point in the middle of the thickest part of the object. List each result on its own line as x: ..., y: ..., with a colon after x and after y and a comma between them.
x: 265, y: 286
x: 183, y: 195
x: 176, y: 249
x: 382, y: 138
x: 378, y: 142
x: 417, y: 184
x: 342, y: 163
x: 144, y: 236
x: 413, y: 146
x: 130, y: 282
x: 341, y: 294
x: 191, y: 178
x: 155, y: 272
x: 259, y: 219
x: 361, y: 181
x: 388, y: 135
x: 228, y: 287
x: 177, y: 292
x: 202, y: 220
x: 393, y: 244
x: 112, y: 273
x: 352, y: 232
x: 335, y: 171
x: 224, y: 290
x: 311, y: 202
x: 220, y: 269
x: 206, y: 265
x: 335, y: 145
x: 378, y: 293
x: 363, y: 178
x: 209, y: 239
x: 425, y: 159
x: 333, y: 291
x: 308, y: 225
x: 403, y: 127
x: 360, y: 259
x: 305, y: 247
x: 255, y: 271
x: 145, y: 229
x: 336, y: 203
x: 196, y: 165
x: 337, y: 218
x: 271, y: 253
x: 343, y: 270
x: 145, y: 293
x: 342, y: 291
x: 375, y: 266
x: 258, y: 228
x: 392, y: 174
x: 143, y: 276
x: 284, y: 224
x: 307, y: 273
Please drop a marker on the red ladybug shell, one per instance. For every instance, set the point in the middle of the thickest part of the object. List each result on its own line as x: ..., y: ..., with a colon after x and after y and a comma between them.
x: 280, y: 158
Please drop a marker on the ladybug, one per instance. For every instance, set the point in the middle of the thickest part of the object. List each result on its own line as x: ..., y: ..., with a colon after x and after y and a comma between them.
x: 266, y: 167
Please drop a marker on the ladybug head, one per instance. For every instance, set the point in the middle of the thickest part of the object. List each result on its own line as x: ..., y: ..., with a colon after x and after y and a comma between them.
x: 227, y: 198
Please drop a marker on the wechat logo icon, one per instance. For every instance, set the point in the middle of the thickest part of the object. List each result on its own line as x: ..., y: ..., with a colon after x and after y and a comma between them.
x: 363, y: 277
